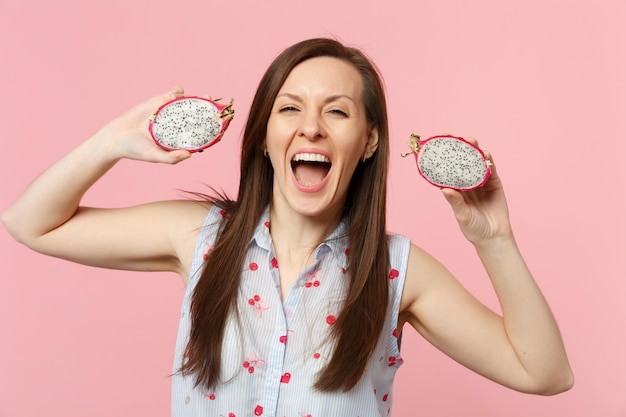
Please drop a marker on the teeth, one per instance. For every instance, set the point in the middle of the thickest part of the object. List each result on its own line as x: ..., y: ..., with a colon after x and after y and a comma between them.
x: 310, y: 157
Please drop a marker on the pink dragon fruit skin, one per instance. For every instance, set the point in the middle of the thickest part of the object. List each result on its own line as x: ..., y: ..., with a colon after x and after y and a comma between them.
x: 450, y: 162
x: 190, y: 123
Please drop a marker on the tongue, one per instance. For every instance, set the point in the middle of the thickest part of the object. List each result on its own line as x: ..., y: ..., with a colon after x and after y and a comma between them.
x: 308, y: 174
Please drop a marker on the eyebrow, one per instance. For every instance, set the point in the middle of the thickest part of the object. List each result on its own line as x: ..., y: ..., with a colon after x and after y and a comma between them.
x: 328, y: 99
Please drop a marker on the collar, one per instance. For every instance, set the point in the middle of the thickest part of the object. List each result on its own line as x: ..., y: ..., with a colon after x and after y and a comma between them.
x: 336, y: 242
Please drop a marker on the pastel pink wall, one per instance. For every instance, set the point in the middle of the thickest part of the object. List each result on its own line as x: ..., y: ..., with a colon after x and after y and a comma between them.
x: 542, y: 84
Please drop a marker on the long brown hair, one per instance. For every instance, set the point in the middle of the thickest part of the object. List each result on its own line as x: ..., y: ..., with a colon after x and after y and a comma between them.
x: 361, y: 320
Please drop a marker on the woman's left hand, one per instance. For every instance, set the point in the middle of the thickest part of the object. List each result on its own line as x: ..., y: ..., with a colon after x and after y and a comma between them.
x: 482, y: 213
x: 520, y: 348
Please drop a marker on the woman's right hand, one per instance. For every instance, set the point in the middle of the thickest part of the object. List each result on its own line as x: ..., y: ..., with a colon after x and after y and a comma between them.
x: 48, y: 217
x: 127, y: 136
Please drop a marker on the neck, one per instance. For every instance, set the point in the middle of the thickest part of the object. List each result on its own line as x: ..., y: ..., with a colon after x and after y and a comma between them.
x: 296, y: 236
x: 300, y: 232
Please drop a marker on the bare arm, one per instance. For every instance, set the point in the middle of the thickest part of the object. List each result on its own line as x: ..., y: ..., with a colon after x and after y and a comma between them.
x: 521, y: 349
x: 47, y: 216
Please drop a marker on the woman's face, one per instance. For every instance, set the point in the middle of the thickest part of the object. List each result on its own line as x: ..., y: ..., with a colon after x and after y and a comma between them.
x: 316, y: 135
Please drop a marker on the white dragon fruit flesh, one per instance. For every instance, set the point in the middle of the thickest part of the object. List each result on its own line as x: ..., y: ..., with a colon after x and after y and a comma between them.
x: 190, y: 123
x: 450, y: 162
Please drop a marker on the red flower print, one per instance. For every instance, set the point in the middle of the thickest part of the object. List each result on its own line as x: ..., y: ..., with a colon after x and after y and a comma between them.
x: 347, y: 251
x: 206, y: 251
x: 253, y: 266
x: 258, y: 411
x: 253, y: 360
x: 385, y: 397
x: 311, y: 279
x: 267, y: 224
x: 395, y: 360
x: 305, y: 415
x: 285, y: 378
x: 283, y: 338
x: 316, y: 355
x: 210, y: 396
x: 394, y: 274
x: 223, y: 213
x: 274, y: 263
x: 258, y: 305
x: 330, y: 319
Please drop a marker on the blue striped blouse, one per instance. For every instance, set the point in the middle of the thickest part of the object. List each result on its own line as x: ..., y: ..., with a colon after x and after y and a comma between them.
x: 270, y: 366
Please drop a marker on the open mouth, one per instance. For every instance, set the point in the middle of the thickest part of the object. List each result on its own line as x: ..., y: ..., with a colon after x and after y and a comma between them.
x: 310, y: 169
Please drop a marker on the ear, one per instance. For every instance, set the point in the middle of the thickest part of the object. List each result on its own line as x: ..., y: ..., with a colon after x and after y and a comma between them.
x: 372, y: 142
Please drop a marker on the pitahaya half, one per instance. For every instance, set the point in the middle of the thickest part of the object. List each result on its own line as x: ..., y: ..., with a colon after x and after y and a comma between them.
x: 450, y: 162
x: 190, y: 123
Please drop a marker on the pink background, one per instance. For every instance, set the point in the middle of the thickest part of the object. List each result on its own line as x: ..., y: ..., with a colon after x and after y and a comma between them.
x: 542, y: 84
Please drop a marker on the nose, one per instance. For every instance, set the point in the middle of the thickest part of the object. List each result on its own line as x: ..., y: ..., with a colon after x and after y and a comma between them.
x: 311, y: 126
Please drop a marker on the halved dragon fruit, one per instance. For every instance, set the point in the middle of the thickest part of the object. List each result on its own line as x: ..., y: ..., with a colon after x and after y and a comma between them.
x: 190, y: 123
x: 450, y: 162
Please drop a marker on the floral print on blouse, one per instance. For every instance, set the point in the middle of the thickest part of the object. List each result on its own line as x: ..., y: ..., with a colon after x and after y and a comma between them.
x: 272, y: 357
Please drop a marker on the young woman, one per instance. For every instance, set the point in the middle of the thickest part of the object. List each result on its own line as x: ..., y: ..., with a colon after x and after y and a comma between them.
x: 296, y: 295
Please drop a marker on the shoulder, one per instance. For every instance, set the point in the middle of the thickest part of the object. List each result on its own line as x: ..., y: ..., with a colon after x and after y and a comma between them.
x: 399, y: 248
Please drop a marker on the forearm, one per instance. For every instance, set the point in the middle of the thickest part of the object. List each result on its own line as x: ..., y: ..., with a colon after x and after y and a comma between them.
x: 528, y: 320
x: 54, y: 196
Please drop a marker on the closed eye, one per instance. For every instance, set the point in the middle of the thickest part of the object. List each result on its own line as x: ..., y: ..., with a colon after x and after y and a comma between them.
x: 287, y: 109
x: 339, y: 112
